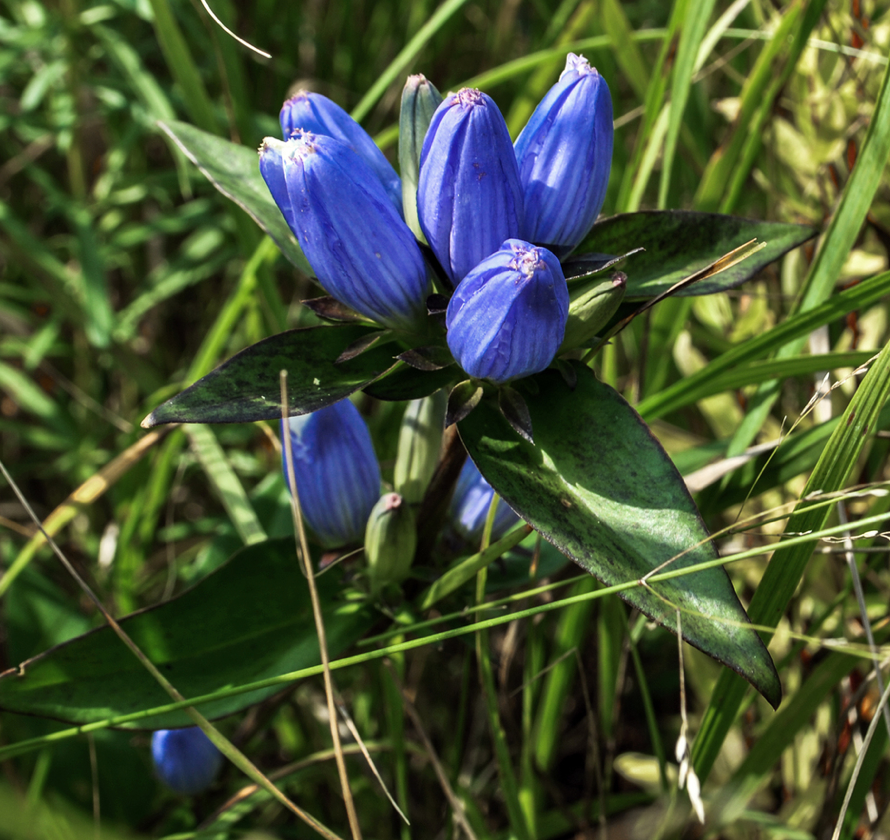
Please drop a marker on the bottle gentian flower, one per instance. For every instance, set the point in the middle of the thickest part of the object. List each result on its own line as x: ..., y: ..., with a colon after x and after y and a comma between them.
x: 469, y: 197
x: 357, y: 244
x: 336, y: 471
x: 508, y: 316
x: 468, y: 511
x: 185, y: 759
x: 317, y: 114
x: 564, y: 155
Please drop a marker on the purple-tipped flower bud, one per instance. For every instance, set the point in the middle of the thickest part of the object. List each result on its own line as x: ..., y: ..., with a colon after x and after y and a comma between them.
x: 358, y: 246
x: 336, y: 470
x: 564, y: 154
x: 317, y: 114
x: 185, y: 759
x: 470, y: 503
x: 469, y: 197
x: 508, y: 316
x: 390, y: 541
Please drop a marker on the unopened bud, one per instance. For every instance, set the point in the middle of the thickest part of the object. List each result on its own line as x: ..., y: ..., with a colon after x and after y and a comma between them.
x: 419, y: 102
x: 592, y: 306
x: 390, y: 541
x: 420, y: 444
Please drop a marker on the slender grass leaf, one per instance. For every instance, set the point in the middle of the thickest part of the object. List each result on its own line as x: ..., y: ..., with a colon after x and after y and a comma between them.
x: 794, y: 717
x: 246, y: 388
x: 226, y: 483
x: 249, y: 620
x: 692, y: 33
x: 182, y: 66
x: 600, y: 487
x: 834, y: 248
x: 679, y: 242
x: 766, y: 80
x: 783, y: 574
x: 234, y: 170
x: 860, y: 296
x: 753, y: 373
x: 407, y: 54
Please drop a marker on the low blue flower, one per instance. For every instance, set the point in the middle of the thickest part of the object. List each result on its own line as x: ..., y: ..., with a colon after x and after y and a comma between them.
x: 508, y: 316
x: 336, y: 471
x: 469, y: 507
x: 317, y: 114
x: 185, y: 759
x: 564, y: 155
x: 469, y: 197
x: 359, y: 247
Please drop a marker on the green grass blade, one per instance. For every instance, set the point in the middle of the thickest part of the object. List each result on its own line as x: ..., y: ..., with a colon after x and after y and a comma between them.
x: 226, y: 483
x: 861, y: 296
x: 183, y: 68
x: 777, y: 586
x: 691, y: 35
x: 756, y: 103
x: 834, y: 248
x: 405, y: 57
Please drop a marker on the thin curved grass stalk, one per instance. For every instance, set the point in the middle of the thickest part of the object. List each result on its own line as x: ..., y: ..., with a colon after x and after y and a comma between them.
x: 231, y: 34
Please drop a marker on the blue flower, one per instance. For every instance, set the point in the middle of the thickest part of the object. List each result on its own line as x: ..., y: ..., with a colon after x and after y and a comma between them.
x: 469, y: 197
x: 185, y: 759
x: 317, y: 114
x: 336, y: 470
x: 357, y: 244
x: 469, y: 507
x: 564, y: 155
x: 508, y: 316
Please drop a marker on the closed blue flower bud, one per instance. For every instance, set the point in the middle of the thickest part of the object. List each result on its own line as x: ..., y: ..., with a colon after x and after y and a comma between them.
x: 185, y: 759
x: 357, y: 244
x: 564, y: 154
x: 317, y: 114
x: 336, y: 471
x: 508, y: 316
x: 469, y: 197
x: 468, y: 511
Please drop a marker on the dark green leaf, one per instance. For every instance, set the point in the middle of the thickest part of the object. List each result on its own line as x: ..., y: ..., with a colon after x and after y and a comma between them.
x: 427, y: 358
x: 464, y: 397
x: 679, y: 242
x: 246, y: 387
x: 250, y: 620
x: 600, y: 487
x: 235, y: 171
x: 515, y: 411
x: 407, y: 383
x: 583, y: 266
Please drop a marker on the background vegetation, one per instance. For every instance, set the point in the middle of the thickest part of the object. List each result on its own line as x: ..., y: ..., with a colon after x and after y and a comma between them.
x: 124, y: 275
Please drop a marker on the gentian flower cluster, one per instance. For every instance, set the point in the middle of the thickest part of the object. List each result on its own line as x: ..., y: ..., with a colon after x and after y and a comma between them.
x: 336, y: 471
x: 497, y: 216
x: 185, y: 759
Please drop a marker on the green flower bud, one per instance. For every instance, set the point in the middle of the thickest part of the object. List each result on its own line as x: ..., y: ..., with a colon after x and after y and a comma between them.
x: 390, y: 541
x: 419, y: 102
x: 591, y: 307
x: 420, y: 444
